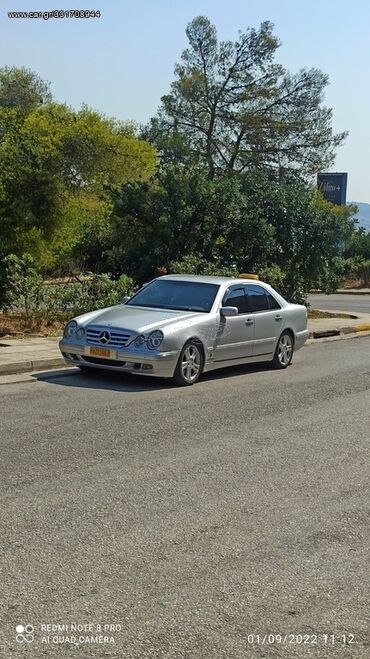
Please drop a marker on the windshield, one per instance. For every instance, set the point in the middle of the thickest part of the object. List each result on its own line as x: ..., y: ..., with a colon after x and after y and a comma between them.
x: 174, y: 294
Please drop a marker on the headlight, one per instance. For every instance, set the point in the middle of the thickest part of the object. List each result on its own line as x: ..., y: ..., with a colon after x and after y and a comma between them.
x: 154, y: 339
x: 80, y: 333
x: 139, y: 341
x: 70, y: 329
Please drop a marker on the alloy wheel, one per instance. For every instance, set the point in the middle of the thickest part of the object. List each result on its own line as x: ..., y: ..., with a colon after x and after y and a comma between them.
x: 191, y: 363
x: 285, y: 349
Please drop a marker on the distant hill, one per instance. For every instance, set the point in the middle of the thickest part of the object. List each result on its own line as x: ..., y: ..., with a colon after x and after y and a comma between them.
x: 363, y: 214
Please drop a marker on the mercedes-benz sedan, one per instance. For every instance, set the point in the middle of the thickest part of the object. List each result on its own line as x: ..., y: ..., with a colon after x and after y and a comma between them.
x: 180, y: 326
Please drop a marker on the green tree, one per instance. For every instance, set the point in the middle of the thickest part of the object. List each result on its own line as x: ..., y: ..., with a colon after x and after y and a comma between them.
x: 358, y: 245
x: 281, y: 228
x: 22, y: 89
x: 305, y: 233
x: 177, y: 213
x: 58, y: 166
x: 233, y: 108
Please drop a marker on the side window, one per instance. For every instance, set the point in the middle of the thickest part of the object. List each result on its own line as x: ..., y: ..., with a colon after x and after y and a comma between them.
x: 257, y: 298
x: 236, y: 298
x: 274, y: 304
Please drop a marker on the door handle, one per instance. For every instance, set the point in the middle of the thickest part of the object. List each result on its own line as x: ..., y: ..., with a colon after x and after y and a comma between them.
x: 249, y: 321
x: 278, y: 317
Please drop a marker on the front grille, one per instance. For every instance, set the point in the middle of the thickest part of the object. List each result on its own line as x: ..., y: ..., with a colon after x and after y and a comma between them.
x: 103, y: 362
x: 118, y: 338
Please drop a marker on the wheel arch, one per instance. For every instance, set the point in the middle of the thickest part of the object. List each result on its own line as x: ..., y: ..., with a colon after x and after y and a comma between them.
x: 289, y: 331
x: 198, y: 340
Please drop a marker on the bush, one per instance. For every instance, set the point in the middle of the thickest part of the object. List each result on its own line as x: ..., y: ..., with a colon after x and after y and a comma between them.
x: 23, y: 285
x: 358, y: 268
x: 96, y: 292
x: 364, y: 272
x: 27, y: 293
x: 332, y: 275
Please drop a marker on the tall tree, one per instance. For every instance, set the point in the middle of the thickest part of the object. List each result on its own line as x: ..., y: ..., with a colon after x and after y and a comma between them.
x: 22, y: 89
x: 236, y: 109
x: 58, y: 165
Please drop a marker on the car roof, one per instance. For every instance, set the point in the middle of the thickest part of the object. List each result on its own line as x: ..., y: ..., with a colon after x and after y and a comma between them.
x: 213, y: 279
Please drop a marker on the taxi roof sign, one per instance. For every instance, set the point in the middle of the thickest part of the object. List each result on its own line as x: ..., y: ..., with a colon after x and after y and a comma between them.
x: 244, y: 275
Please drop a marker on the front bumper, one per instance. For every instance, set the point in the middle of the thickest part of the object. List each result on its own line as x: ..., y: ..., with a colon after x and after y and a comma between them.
x: 159, y: 364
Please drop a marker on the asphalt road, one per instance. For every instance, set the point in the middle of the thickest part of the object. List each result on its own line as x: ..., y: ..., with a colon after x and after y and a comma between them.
x: 201, y: 520
x: 341, y: 302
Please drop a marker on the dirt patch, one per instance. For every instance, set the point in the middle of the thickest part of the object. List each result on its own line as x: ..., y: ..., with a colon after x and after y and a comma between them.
x: 17, y: 326
x: 315, y: 314
x: 354, y: 284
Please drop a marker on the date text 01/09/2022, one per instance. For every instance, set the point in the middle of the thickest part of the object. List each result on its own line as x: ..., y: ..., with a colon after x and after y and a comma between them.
x: 301, y: 639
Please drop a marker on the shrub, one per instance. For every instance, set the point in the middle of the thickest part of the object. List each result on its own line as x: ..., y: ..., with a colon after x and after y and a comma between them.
x: 23, y: 285
x: 357, y: 267
x: 76, y: 298
x: 27, y: 293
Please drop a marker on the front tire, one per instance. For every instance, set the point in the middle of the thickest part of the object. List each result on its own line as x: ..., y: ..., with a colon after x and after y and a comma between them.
x: 284, y: 351
x: 190, y: 364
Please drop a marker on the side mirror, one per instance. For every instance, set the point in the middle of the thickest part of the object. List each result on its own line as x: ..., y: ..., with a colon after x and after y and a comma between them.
x: 126, y: 298
x: 228, y: 311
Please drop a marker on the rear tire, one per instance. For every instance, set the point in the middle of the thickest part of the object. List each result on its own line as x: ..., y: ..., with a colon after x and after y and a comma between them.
x: 284, y: 351
x: 190, y: 364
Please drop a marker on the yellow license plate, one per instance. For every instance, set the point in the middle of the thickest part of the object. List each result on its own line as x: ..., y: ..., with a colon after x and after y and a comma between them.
x: 101, y: 352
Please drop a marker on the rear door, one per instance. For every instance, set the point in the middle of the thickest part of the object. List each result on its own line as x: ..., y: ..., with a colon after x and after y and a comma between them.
x: 235, y: 333
x: 268, y: 319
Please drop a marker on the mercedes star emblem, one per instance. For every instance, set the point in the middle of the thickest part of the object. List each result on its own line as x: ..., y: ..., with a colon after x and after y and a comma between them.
x: 104, y: 336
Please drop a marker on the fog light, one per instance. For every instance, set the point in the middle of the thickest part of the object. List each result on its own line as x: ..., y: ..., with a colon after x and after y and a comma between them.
x: 146, y: 367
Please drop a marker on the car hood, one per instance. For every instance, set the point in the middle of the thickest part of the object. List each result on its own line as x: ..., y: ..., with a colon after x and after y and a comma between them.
x: 136, y: 319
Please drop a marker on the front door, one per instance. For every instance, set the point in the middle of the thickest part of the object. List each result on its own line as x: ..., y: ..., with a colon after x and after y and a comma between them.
x: 235, y: 333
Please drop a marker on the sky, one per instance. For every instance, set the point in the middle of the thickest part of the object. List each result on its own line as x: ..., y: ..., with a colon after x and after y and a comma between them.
x: 122, y: 63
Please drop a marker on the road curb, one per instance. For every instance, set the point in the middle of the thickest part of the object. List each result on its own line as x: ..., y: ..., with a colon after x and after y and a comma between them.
x: 32, y: 365
x: 352, y: 292
x: 364, y: 327
x: 344, y: 333
x: 322, y: 334
x: 341, y: 292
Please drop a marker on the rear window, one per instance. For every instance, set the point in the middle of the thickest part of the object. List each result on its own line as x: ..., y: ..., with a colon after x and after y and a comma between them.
x: 257, y: 298
x: 274, y: 304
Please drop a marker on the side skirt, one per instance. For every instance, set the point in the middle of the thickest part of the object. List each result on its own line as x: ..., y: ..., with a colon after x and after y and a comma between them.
x: 211, y: 366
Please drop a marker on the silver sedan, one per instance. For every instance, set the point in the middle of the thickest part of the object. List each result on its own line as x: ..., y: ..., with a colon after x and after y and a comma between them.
x: 180, y: 326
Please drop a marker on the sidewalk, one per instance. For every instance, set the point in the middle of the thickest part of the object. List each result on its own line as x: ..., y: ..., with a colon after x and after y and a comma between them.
x: 345, y: 291
x: 354, y: 291
x: 322, y: 327
x: 32, y: 354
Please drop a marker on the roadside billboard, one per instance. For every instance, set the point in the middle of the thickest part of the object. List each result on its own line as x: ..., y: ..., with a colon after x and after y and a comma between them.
x: 333, y: 187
